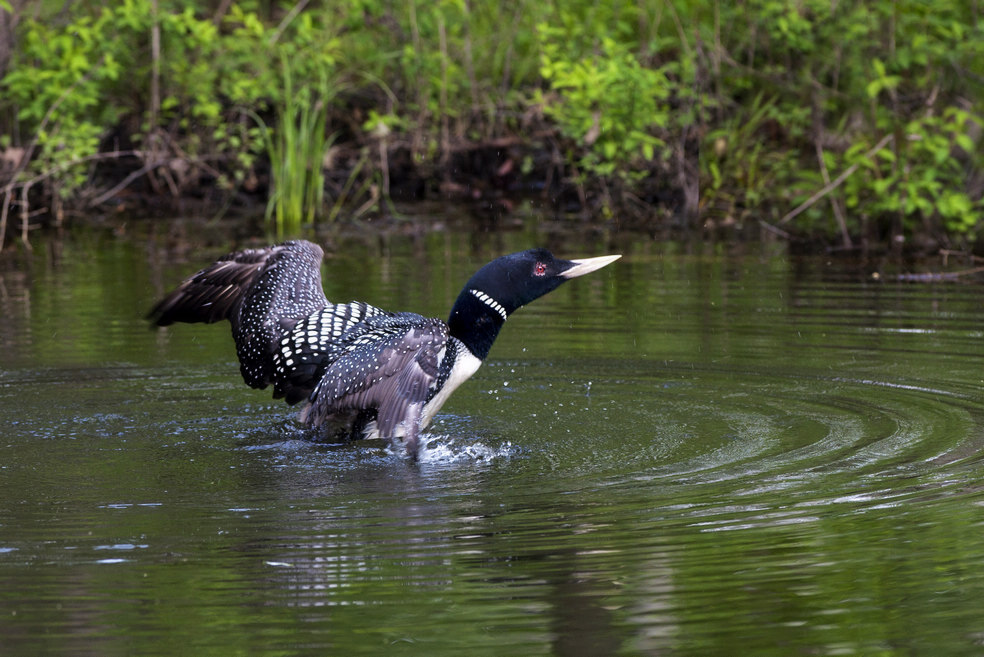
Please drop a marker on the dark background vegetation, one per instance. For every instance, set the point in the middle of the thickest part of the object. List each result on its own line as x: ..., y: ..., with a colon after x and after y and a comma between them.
x: 836, y: 123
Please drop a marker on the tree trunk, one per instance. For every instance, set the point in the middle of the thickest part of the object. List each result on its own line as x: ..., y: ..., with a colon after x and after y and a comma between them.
x: 8, y: 23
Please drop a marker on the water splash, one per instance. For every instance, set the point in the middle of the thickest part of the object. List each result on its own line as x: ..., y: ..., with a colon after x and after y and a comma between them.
x: 447, y: 450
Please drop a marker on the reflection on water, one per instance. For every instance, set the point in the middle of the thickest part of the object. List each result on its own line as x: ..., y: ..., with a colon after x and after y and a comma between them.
x: 691, y: 451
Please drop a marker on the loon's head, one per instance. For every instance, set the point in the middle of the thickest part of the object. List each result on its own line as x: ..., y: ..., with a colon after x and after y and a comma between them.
x: 504, y: 285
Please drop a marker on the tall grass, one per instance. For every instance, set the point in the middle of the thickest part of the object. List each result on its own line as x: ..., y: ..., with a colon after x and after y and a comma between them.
x: 297, y: 148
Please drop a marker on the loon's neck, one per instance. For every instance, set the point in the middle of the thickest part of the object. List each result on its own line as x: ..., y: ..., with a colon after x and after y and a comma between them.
x: 475, y: 319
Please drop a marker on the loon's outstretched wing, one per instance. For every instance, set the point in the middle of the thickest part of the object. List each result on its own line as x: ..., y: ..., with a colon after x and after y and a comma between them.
x: 390, y: 363
x: 217, y: 291
x: 262, y: 292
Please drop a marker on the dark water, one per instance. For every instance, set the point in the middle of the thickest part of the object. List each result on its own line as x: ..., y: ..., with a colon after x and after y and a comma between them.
x: 693, y: 451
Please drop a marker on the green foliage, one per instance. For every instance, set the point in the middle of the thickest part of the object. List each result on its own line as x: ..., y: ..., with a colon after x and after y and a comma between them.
x: 610, y: 104
x: 604, y: 93
x: 69, y: 90
x: 782, y: 97
x: 742, y: 174
x: 914, y: 180
x: 297, y: 151
x: 439, y: 72
x: 840, y: 78
x: 456, y: 68
x: 61, y: 98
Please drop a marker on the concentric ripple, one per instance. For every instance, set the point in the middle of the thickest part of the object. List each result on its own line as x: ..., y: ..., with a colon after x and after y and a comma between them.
x: 783, y: 438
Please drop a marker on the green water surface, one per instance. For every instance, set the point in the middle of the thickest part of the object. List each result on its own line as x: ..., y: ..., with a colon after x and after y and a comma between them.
x: 699, y: 450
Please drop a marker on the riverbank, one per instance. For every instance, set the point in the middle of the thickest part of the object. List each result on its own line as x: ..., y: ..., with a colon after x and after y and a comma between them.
x: 736, y: 120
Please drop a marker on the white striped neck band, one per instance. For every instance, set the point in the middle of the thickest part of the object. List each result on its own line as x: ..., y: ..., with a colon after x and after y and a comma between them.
x: 491, y: 303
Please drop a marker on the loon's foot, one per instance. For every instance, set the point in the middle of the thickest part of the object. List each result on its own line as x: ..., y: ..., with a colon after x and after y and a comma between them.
x: 411, y: 425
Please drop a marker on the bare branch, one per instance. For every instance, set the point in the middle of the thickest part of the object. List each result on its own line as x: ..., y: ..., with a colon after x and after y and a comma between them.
x: 294, y: 11
x: 835, y: 183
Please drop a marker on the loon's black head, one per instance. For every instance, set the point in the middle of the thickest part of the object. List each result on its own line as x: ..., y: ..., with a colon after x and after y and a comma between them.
x: 501, y: 287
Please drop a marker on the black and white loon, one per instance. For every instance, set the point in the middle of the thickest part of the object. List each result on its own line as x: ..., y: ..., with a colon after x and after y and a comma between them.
x: 364, y: 372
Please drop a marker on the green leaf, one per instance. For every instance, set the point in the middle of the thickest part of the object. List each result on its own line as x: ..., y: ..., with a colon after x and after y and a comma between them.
x: 873, y: 88
x: 715, y: 175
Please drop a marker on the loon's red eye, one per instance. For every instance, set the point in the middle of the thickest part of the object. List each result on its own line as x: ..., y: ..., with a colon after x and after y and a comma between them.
x: 539, y: 269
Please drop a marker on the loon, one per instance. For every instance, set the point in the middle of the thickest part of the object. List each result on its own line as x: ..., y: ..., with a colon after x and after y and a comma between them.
x: 363, y: 371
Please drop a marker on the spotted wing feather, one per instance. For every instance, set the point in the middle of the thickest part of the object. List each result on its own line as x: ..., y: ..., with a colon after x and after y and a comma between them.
x: 262, y: 292
x: 214, y: 293
x: 391, y: 364
x: 314, y: 342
